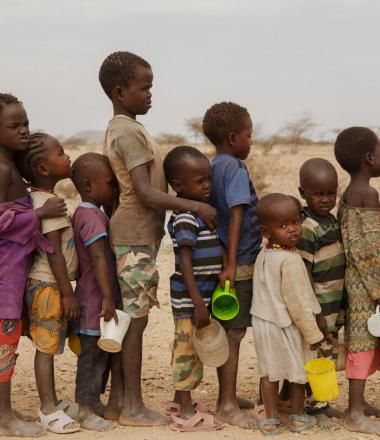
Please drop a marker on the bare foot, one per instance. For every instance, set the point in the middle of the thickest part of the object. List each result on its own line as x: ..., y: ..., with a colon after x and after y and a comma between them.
x: 330, y: 411
x: 371, y: 411
x: 99, y: 409
x: 25, y: 417
x: 245, y: 403
x: 325, y: 423
x: 361, y: 424
x: 95, y: 423
x: 112, y: 412
x: 236, y: 417
x: 14, y: 427
x: 146, y: 417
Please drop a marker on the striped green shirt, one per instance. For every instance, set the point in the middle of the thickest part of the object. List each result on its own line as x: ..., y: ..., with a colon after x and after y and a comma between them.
x: 321, y: 245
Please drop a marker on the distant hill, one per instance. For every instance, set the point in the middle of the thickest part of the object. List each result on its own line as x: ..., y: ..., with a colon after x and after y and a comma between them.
x: 86, y: 137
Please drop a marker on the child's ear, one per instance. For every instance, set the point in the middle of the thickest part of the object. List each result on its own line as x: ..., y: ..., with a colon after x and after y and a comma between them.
x: 117, y: 92
x: 368, y: 158
x: 265, y: 231
x: 87, y: 185
x: 176, y: 185
x: 42, y: 170
x: 231, y: 138
x: 302, y: 192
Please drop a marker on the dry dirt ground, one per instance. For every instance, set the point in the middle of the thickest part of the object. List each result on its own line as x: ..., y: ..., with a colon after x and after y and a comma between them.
x: 274, y: 171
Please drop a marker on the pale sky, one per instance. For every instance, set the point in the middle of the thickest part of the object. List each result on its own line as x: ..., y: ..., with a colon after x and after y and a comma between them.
x: 278, y: 58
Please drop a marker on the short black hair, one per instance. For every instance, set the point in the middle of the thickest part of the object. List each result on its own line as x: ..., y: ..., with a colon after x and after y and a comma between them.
x: 265, y: 206
x: 87, y: 166
x: 118, y: 69
x: 222, y: 119
x: 352, y: 144
x: 7, y: 99
x: 28, y: 160
x: 176, y: 157
x: 314, y: 166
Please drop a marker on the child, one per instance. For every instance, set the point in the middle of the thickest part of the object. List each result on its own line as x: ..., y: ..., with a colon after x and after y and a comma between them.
x: 49, y: 295
x: 322, y: 251
x: 198, y: 262
x: 19, y: 236
x: 137, y: 226
x: 229, y: 128
x: 97, y: 287
x: 357, y: 149
x: 283, y: 309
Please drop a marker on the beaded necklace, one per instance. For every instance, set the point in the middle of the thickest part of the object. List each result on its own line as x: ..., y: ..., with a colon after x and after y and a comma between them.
x: 279, y: 246
x: 34, y: 188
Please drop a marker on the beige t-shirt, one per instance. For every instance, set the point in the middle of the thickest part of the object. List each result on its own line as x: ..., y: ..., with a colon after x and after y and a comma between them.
x: 127, y: 146
x: 41, y: 268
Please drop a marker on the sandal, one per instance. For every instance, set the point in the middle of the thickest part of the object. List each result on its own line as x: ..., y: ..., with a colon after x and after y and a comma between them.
x: 308, y: 422
x: 56, y: 422
x: 70, y: 408
x: 174, y: 409
x: 271, y: 421
x: 199, y: 422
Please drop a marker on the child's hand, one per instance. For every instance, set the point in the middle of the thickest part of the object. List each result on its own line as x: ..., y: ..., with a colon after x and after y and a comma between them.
x: 53, y: 207
x: 70, y: 307
x: 314, y: 347
x: 321, y: 322
x: 108, y: 310
x: 201, y: 316
x: 208, y: 214
x: 228, y: 274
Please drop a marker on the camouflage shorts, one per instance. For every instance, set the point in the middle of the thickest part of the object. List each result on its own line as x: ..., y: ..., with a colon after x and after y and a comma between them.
x: 186, y: 366
x: 138, y: 278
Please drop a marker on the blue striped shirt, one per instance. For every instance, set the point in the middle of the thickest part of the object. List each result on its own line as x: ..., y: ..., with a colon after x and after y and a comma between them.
x: 187, y: 230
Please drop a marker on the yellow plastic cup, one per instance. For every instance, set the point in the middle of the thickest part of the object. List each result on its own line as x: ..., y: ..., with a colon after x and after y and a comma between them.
x: 322, y: 378
x: 224, y: 303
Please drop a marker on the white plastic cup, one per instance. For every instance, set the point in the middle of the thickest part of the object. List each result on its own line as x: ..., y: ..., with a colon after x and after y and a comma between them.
x: 112, y: 334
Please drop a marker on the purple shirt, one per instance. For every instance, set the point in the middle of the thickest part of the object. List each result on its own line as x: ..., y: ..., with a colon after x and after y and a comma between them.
x: 91, y: 224
x: 19, y: 237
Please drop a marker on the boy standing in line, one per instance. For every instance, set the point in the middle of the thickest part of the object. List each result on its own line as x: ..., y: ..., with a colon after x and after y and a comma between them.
x: 322, y: 251
x: 137, y: 226
x: 228, y: 126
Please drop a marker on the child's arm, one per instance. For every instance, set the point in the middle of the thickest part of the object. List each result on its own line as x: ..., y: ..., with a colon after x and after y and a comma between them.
x: 234, y: 226
x: 59, y: 269
x: 154, y: 198
x: 201, y: 312
x: 321, y: 320
x: 299, y: 305
x: 5, y: 181
x: 99, y: 263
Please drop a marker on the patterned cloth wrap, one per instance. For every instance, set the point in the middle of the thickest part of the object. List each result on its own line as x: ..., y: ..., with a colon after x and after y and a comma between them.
x: 10, y: 332
x: 47, y: 326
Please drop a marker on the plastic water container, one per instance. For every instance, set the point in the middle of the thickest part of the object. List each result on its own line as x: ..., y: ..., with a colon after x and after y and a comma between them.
x: 112, y: 334
x: 211, y: 344
x: 322, y: 378
x: 224, y: 303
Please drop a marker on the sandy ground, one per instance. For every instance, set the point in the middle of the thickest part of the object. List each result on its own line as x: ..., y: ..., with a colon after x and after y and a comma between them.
x: 279, y: 170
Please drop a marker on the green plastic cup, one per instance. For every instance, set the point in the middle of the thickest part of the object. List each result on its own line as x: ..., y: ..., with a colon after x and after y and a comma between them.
x: 224, y: 303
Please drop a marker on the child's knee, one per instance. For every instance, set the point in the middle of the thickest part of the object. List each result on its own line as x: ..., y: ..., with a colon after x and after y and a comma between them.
x: 235, y: 335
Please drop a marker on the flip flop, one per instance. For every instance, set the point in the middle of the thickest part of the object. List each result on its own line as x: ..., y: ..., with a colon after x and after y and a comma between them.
x: 174, y: 409
x: 56, y: 422
x: 271, y: 421
x: 308, y: 422
x: 199, y: 422
x: 70, y: 408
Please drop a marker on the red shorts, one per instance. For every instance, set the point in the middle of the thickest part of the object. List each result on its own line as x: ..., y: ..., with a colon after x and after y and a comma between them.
x: 10, y: 333
x: 363, y: 364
